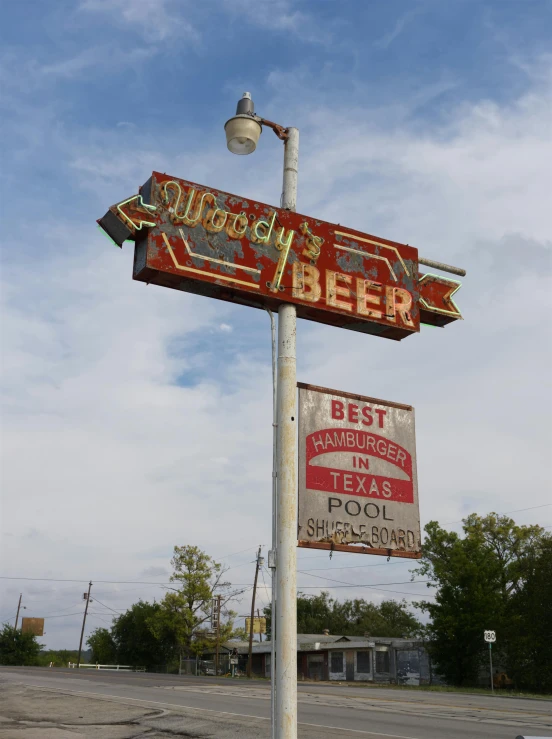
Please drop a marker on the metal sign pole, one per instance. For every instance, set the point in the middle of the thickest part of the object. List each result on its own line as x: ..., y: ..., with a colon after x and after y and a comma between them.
x: 491, y: 662
x: 285, y: 672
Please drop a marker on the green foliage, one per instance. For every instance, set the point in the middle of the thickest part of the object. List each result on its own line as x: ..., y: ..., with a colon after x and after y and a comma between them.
x: 529, y: 655
x: 351, y: 617
x: 135, y: 641
x: 184, y: 610
x: 104, y: 649
x: 150, y: 634
x: 17, y: 648
x: 478, y: 579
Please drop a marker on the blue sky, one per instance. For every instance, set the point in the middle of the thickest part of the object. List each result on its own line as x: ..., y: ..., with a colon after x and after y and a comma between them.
x: 135, y: 418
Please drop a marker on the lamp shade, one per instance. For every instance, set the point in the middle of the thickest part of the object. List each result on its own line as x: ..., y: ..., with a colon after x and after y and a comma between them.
x: 242, y: 134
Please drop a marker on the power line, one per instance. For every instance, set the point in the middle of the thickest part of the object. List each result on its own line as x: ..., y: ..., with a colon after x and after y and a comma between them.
x: 8, y: 618
x: 382, y: 590
x: 65, y: 615
x: 227, y: 556
x: 265, y: 596
x: 402, y: 582
x: 108, y: 607
x: 95, y: 615
x: 357, y: 567
x: 109, y: 582
x: 55, y: 613
x: 374, y: 587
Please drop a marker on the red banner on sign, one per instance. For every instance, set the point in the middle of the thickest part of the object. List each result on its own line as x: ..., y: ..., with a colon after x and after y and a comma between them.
x: 358, y: 451
x: 358, y: 483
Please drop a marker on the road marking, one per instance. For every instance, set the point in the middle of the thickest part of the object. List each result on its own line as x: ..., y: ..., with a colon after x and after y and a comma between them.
x: 119, y: 699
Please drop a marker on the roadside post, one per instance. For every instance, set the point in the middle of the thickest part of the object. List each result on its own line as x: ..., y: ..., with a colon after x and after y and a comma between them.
x: 198, y: 239
x: 490, y: 638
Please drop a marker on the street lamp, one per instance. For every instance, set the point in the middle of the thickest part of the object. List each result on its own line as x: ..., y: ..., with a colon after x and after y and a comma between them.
x: 242, y: 135
x: 244, y: 129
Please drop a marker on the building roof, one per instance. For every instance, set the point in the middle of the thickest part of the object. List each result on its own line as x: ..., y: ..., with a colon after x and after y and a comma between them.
x: 314, y: 642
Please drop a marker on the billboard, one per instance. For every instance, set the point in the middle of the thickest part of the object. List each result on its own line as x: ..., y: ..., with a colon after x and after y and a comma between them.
x: 358, y: 488
x: 259, y: 625
x: 32, y: 626
x: 201, y: 240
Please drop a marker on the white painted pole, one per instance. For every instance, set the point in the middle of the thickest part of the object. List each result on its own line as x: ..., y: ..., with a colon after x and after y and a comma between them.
x: 286, y: 556
x: 274, y: 544
x: 291, y: 165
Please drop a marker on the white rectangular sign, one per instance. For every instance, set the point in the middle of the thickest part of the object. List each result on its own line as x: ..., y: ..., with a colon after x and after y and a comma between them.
x: 358, y: 487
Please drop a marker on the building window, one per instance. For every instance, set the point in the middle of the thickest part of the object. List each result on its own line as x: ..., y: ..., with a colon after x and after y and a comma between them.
x: 336, y: 662
x: 363, y: 662
x: 382, y: 661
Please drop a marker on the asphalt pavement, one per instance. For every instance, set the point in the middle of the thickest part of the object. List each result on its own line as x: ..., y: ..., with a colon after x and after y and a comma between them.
x: 117, y: 705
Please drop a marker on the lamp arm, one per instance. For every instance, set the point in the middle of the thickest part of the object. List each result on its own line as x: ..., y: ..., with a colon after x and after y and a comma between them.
x: 280, y: 131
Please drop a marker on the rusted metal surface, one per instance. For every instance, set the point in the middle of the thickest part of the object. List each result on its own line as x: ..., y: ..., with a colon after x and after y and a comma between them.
x: 280, y: 131
x: 225, y: 246
x: 331, y: 547
x: 197, y: 239
x: 437, y: 306
x: 357, y: 474
x: 442, y: 266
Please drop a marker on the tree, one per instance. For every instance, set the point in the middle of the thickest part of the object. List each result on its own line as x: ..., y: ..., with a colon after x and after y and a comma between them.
x: 476, y: 577
x: 529, y: 656
x: 188, y: 606
x: 18, y: 648
x: 351, y: 617
x: 104, y: 650
x: 131, y: 640
x: 135, y: 640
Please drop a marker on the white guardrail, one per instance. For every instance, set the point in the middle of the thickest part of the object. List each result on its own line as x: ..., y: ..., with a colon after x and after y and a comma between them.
x: 113, y: 668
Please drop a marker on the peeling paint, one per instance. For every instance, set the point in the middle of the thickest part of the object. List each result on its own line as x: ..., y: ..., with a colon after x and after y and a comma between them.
x: 202, y: 240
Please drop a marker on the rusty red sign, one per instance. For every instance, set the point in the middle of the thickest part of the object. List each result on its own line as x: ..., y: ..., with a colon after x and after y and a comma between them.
x: 205, y: 241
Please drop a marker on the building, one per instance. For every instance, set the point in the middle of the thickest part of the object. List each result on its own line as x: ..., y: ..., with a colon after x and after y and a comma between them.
x: 347, y: 658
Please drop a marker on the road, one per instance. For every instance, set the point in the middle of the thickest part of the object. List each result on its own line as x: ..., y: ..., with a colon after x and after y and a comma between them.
x: 198, y: 707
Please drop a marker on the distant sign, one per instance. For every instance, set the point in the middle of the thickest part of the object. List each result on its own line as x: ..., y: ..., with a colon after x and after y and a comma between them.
x: 205, y: 241
x: 259, y: 625
x: 33, y: 626
x: 358, y: 487
x: 490, y: 636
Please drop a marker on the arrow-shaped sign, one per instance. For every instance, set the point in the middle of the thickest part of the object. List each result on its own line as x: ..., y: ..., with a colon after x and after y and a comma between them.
x: 124, y: 219
x: 437, y: 306
x: 132, y: 212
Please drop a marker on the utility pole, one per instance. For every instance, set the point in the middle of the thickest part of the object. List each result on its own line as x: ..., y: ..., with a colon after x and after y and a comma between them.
x: 18, y: 609
x: 252, y: 619
x: 87, y: 599
x: 218, y: 636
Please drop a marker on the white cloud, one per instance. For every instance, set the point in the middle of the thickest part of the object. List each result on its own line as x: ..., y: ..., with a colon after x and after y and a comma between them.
x: 118, y: 443
x: 157, y: 20
x: 401, y: 23
x: 277, y: 15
